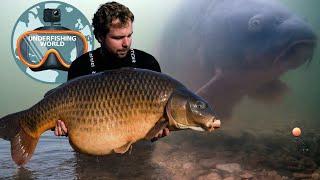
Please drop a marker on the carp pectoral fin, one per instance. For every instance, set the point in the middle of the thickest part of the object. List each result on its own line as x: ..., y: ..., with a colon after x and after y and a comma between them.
x: 123, y: 148
x: 161, y: 124
x: 22, y: 147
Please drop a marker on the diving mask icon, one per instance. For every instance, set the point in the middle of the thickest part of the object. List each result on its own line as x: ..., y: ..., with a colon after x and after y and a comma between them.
x: 50, y: 49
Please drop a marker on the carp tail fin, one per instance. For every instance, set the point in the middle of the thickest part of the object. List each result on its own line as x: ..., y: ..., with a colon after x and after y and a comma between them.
x: 22, y: 147
x: 22, y: 144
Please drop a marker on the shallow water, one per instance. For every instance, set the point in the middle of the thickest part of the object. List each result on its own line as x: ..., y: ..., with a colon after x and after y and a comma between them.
x: 186, y: 155
x: 257, y: 139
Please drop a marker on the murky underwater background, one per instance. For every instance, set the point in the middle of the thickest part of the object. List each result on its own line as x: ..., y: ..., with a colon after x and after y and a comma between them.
x: 255, y: 143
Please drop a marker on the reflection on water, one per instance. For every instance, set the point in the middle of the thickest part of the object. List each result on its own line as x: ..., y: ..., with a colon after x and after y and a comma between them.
x: 52, y: 158
x: 133, y: 165
x: 183, y: 155
x: 56, y: 160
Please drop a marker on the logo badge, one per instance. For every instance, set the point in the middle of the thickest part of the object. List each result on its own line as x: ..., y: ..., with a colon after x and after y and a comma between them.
x: 47, y: 37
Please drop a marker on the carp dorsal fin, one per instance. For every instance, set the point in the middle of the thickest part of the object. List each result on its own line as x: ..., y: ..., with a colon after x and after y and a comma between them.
x: 161, y: 124
x: 22, y: 147
x: 50, y: 91
x: 123, y: 148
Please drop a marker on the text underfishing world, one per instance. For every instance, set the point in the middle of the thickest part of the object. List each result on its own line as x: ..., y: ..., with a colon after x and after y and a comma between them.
x: 44, y: 47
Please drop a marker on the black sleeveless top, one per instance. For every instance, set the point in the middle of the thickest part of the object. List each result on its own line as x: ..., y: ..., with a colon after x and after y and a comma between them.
x: 105, y: 61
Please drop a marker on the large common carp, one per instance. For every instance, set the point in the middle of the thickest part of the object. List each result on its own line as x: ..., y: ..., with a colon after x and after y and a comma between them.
x: 107, y: 112
x: 236, y: 49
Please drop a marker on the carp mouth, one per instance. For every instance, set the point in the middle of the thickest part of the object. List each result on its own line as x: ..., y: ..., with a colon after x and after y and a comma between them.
x: 296, y: 54
x: 209, y: 126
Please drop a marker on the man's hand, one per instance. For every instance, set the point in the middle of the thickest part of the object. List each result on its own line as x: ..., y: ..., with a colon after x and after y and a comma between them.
x: 162, y: 133
x: 60, y: 129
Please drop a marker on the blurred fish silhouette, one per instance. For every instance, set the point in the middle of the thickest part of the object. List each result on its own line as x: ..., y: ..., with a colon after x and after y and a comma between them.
x: 235, y: 48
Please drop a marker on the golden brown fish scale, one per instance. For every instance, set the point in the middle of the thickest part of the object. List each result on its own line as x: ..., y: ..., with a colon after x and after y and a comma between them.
x: 103, y: 112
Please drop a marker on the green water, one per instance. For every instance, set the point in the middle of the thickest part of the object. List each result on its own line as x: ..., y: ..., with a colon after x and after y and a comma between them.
x: 258, y: 137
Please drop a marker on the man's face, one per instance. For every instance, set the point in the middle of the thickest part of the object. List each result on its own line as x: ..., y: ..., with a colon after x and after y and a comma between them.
x: 118, y: 40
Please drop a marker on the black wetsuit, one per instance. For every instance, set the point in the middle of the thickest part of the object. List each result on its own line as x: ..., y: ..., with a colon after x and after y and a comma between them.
x: 105, y: 61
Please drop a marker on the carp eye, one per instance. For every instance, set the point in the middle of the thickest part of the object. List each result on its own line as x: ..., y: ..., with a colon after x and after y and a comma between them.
x: 200, y: 105
x: 255, y: 24
x: 279, y: 20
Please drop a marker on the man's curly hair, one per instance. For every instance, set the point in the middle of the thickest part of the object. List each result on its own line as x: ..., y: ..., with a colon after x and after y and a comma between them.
x: 102, y: 19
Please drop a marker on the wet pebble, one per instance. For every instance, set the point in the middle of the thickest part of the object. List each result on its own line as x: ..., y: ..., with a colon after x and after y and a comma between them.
x: 246, y: 175
x: 208, y: 163
x: 231, y: 178
x: 188, y: 166
x: 230, y: 167
x: 162, y: 148
x: 160, y: 153
x: 212, y: 175
x: 270, y: 175
x: 176, y: 177
x: 301, y: 176
x: 315, y: 175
